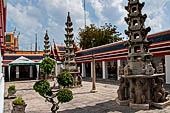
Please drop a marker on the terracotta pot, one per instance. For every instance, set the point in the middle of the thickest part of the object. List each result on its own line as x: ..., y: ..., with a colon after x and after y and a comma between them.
x: 18, y: 108
x: 11, y: 92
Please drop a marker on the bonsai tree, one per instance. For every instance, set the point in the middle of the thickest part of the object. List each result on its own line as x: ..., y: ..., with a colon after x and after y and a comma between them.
x: 58, y: 96
x: 47, y: 66
x: 11, y: 91
x: 18, y: 105
x: 65, y: 79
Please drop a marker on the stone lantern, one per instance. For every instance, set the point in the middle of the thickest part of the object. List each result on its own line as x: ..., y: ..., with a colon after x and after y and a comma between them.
x: 139, y: 86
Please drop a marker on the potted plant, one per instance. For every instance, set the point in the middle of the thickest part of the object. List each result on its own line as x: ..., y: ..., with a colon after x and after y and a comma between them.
x: 11, y: 91
x: 18, y: 105
x: 55, y: 96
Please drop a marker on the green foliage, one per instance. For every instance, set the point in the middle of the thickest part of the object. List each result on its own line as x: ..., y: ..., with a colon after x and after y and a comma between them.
x: 93, y: 36
x: 47, y: 65
x: 65, y: 79
x: 18, y: 100
x: 11, y: 88
x: 64, y: 95
x: 42, y: 87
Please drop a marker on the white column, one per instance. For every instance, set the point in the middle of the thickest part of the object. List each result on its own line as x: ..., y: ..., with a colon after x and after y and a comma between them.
x: 56, y: 70
x: 91, y: 69
x: 1, y: 92
x: 118, y: 64
x: 167, y: 70
x: 31, y: 75
x: 9, y: 71
x: 17, y: 72
x: 104, y: 70
x: 37, y: 66
x: 83, y: 70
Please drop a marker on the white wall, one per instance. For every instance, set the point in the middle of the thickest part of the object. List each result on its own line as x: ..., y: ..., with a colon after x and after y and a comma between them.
x: 167, y: 68
x: 1, y: 86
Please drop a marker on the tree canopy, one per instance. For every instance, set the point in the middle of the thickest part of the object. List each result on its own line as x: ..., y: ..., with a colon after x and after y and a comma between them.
x: 93, y: 36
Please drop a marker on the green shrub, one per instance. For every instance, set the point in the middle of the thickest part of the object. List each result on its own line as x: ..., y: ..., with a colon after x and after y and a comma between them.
x: 47, y: 65
x: 42, y: 87
x: 64, y: 95
x: 65, y: 79
x: 11, y: 88
x: 18, y: 100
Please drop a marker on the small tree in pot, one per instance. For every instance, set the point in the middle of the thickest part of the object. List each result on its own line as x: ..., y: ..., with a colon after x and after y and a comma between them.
x: 11, y: 91
x: 47, y: 65
x: 56, y: 96
x: 61, y: 95
x: 18, y: 105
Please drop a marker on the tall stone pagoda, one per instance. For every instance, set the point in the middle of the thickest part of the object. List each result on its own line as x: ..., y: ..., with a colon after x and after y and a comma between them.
x: 69, y: 56
x: 46, y: 45
x: 139, y: 86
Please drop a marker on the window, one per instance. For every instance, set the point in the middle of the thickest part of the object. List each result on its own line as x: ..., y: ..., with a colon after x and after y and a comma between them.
x: 134, y: 10
x: 8, y: 38
x: 135, y: 22
x: 136, y: 35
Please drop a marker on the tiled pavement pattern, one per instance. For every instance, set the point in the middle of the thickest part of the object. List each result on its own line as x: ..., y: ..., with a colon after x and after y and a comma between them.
x: 102, y: 101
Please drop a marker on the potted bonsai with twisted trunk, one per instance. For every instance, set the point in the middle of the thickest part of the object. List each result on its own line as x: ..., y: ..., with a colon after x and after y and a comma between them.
x: 55, y: 96
x: 11, y: 91
x: 18, y: 105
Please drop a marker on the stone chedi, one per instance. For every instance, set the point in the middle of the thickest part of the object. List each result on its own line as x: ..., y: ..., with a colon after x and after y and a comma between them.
x: 69, y: 56
x: 46, y: 45
x: 139, y: 86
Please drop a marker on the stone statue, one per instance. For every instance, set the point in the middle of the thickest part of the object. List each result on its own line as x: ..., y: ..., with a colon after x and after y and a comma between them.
x: 159, y: 92
x: 159, y: 68
x: 149, y: 69
x: 138, y: 92
x: 121, y: 70
x: 127, y: 70
x: 121, y: 90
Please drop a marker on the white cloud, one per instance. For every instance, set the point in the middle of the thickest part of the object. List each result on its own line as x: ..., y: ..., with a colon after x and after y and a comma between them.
x: 57, y: 15
x: 156, y: 14
x: 98, y: 7
x: 27, y: 25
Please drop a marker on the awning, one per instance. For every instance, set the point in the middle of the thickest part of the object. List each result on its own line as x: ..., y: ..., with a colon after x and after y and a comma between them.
x: 23, y: 61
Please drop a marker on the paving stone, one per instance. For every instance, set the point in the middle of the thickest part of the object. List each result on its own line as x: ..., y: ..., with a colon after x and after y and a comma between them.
x: 102, y: 101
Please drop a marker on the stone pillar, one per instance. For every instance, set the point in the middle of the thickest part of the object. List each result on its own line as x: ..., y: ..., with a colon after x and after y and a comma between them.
x: 31, y: 74
x: 17, y: 72
x: 118, y: 64
x: 104, y: 69
x: 83, y: 70
x: 92, y: 69
x: 9, y: 71
x: 37, y: 66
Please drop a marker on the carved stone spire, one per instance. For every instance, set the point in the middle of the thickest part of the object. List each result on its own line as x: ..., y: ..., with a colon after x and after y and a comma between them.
x: 46, y: 45
x: 69, y: 56
x: 138, y: 45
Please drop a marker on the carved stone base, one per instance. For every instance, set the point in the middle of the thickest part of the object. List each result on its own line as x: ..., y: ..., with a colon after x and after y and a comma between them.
x: 139, y: 106
x: 93, y: 91
x: 122, y: 103
x: 161, y: 105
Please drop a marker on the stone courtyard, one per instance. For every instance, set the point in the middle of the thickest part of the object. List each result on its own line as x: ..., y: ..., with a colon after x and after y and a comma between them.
x: 103, y: 101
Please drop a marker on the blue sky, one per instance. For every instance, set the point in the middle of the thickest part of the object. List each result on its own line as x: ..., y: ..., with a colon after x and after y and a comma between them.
x: 35, y: 16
